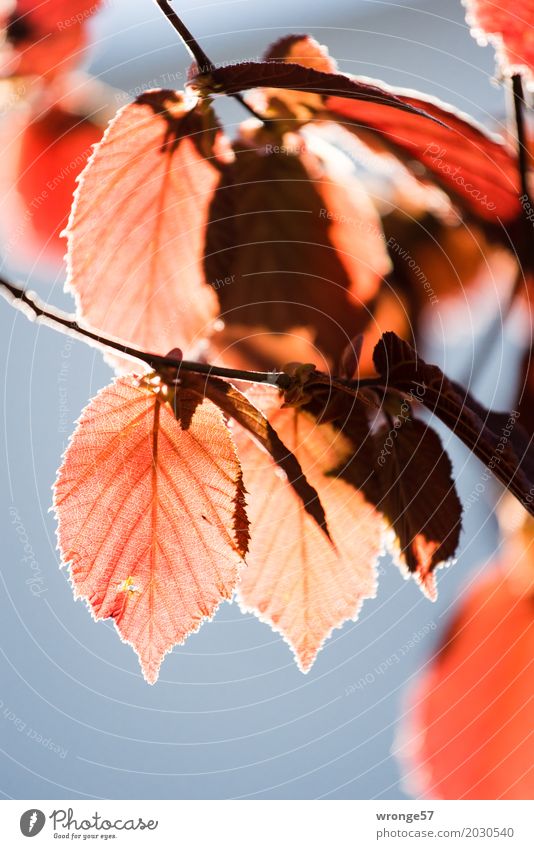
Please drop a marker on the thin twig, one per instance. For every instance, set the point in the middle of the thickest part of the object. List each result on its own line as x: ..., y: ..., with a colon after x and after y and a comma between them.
x: 36, y: 310
x: 523, y: 166
x: 518, y: 130
x: 520, y: 134
x: 204, y: 63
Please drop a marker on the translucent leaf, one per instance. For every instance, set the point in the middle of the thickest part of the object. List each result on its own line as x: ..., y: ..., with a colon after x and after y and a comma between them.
x: 137, y: 228
x: 150, y: 511
x: 296, y: 580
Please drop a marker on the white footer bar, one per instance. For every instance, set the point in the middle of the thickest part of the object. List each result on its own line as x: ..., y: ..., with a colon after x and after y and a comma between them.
x: 271, y: 823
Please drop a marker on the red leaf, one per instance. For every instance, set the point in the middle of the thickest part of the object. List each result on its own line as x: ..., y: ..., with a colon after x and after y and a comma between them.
x: 48, y: 15
x: 150, y: 512
x: 137, y: 228
x: 54, y: 149
x: 467, y: 732
x: 475, y: 167
x: 508, y: 28
x: 45, y: 37
x: 295, y: 579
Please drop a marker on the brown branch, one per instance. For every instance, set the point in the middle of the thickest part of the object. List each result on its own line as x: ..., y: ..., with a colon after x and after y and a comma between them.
x: 521, y: 134
x: 523, y: 167
x: 204, y: 63
x: 37, y: 310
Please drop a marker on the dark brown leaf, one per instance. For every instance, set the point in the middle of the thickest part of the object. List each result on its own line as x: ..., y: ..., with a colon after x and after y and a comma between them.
x: 292, y: 250
x: 495, y: 438
x: 286, y: 75
x: 412, y: 486
x: 350, y: 358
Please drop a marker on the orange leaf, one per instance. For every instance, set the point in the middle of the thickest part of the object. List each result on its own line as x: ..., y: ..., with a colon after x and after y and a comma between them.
x: 468, y: 729
x: 136, y: 232
x: 295, y: 579
x: 301, y: 50
x: 150, y: 512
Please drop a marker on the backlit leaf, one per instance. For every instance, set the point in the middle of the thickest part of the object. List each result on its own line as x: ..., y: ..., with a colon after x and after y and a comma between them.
x: 475, y: 167
x: 137, y: 228
x: 508, y: 28
x: 296, y: 580
x: 150, y: 511
x: 237, y: 406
